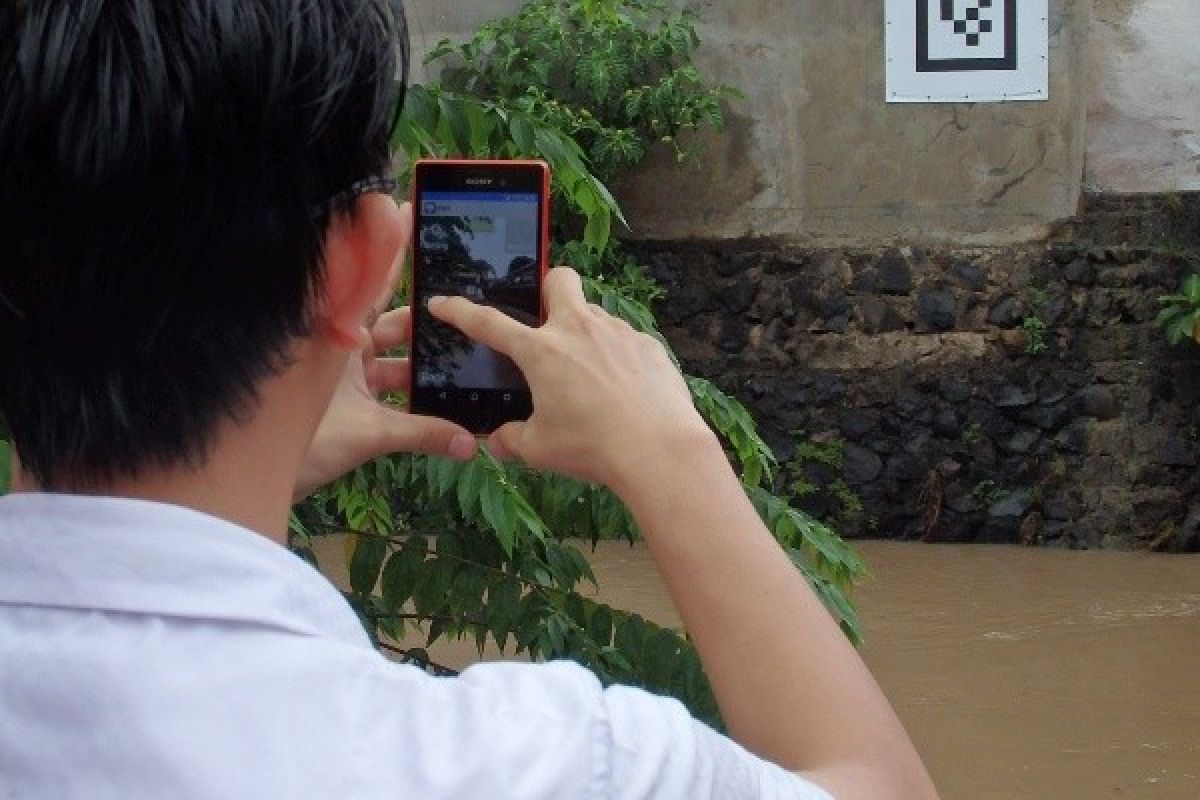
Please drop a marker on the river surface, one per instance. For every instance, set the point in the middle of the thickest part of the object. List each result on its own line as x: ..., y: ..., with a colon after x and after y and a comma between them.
x: 1021, y: 674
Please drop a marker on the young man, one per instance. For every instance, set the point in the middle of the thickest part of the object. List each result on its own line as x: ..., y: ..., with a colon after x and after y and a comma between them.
x: 195, y: 255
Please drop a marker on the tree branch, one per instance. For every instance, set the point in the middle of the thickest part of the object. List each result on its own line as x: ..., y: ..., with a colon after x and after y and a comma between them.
x: 419, y: 658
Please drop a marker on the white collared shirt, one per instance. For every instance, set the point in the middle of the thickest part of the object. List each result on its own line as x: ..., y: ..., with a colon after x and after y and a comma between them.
x: 149, y: 651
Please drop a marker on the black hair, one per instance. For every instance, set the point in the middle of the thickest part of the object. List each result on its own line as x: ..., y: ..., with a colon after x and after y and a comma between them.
x: 165, y: 172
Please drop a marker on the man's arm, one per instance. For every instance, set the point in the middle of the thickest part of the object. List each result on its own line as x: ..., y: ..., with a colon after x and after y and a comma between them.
x: 610, y: 407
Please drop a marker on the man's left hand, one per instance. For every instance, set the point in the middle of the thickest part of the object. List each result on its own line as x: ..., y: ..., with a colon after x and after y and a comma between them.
x: 358, y: 427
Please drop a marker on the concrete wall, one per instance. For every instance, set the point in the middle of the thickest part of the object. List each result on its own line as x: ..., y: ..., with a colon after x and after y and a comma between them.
x: 813, y: 153
x: 1144, y: 98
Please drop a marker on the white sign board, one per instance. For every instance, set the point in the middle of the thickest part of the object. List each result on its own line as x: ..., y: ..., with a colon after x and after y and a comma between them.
x: 967, y: 51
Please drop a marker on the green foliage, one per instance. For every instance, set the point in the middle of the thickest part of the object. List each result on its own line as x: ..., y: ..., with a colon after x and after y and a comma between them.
x: 1035, y: 335
x: 797, y: 480
x: 1032, y: 324
x: 972, y: 434
x: 1180, y: 316
x: 987, y: 493
x: 615, y: 75
x: 484, y: 549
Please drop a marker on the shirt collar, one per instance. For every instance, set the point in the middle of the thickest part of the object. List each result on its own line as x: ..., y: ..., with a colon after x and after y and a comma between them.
x: 140, y: 557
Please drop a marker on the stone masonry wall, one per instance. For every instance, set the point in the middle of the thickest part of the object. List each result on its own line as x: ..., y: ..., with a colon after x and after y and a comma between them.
x: 918, y: 362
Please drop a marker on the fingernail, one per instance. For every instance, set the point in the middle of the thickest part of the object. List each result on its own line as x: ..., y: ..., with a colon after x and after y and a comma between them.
x: 463, y: 446
x: 436, y: 300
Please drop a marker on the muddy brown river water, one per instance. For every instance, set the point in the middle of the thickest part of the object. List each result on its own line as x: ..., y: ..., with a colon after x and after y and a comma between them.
x: 1021, y: 674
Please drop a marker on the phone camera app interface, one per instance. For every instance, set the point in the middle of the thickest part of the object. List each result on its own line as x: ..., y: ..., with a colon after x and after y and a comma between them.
x: 482, y: 246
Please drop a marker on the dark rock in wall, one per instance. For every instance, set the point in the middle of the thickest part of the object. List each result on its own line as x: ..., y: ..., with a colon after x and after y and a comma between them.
x: 1177, y: 451
x: 1022, y: 441
x: 1060, y: 505
x: 856, y: 423
x: 1052, y: 391
x: 954, y: 390
x: 1153, y: 508
x: 1005, y: 313
x: 1073, y: 439
x: 739, y: 263
x: 1080, y: 272
x: 1187, y: 537
x: 947, y: 424
x: 1001, y: 530
x: 878, y: 316
x: 938, y: 309
x: 738, y: 296
x: 895, y: 274
x: 1097, y: 402
x: 735, y: 335
x: 1016, y: 504
x: 1048, y: 418
x: 835, y: 303
x: 969, y: 275
x: 1013, y: 396
x: 688, y: 301
x: 861, y: 465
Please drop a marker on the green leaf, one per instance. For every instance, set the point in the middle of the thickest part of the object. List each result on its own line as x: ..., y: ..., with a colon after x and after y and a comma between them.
x: 1191, y: 288
x: 436, y: 628
x: 660, y: 654
x: 1166, y: 316
x: 295, y: 524
x: 573, y: 606
x: 429, y: 593
x: 369, y: 552
x: 496, y: 513
x: 454, y: 116
x: 447, y: 472
x: 598, y: 230
x: 610, y: 201
x: 421, y: 107
x: 833, y: 599
x: 400, y: 576
x: 629, y: 638
x: 600, y: 625
x: 480, y: 125
x: 504, y: 600
x: 469, y: 483
x: 521, y: 130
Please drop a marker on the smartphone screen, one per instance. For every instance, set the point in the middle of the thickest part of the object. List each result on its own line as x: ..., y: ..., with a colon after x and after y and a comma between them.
x: 480, y: 234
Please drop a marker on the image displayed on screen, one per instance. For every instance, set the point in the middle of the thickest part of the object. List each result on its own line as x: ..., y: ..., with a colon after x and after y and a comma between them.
x: 482, y: 246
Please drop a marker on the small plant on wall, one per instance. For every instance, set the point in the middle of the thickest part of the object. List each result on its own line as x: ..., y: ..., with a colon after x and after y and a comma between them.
x: 1180, y: 317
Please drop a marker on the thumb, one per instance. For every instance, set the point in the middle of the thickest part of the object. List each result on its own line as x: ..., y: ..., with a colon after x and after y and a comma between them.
x: 411, y: 433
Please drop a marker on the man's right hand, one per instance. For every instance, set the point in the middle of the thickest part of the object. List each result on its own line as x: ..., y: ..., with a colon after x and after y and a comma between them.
x: 610, y: 407
x: 607, y: 400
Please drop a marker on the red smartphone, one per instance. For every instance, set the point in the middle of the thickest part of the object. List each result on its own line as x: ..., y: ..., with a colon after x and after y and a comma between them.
x: 481, y: 232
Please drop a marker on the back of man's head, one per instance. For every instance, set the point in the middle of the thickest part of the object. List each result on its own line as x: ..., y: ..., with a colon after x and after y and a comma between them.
x: 166, y: 170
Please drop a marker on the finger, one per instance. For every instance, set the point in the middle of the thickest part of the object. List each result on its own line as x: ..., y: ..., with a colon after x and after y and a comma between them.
x: 389, y: 375
x: 483, y: 324
x: 391, y: 330
x: 564, y: 291
x: 505, y: 441
x: 410, y: 433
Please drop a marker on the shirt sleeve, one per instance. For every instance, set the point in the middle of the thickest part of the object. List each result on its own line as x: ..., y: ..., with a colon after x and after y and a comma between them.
x: 512, y: 731
x: 658, y: 750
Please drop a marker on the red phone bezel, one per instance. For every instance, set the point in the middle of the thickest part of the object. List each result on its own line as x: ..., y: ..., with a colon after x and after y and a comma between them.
x: 544, y: 244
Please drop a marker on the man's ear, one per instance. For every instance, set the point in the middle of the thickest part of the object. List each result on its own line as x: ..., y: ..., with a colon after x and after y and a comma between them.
x: 364, y: 252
